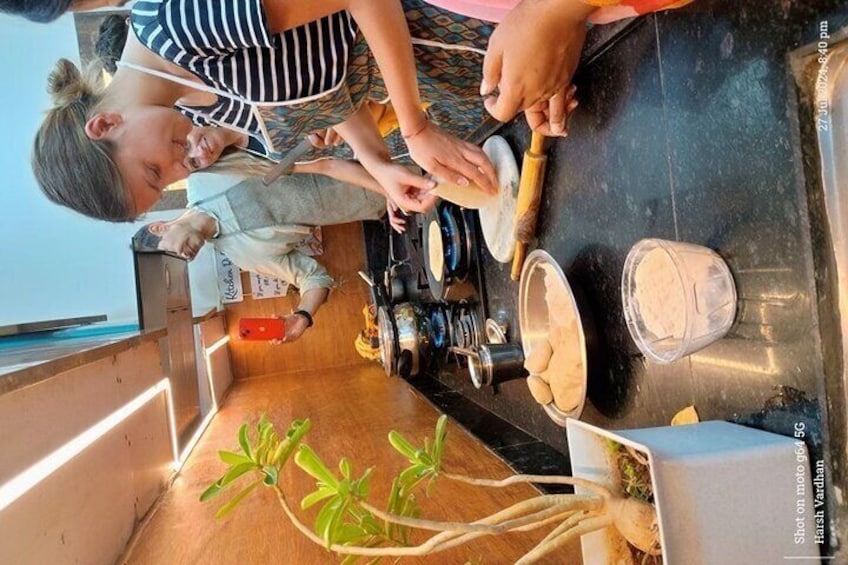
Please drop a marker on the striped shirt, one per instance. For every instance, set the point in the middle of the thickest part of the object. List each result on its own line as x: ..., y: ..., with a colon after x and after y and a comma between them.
x: 227, y: 44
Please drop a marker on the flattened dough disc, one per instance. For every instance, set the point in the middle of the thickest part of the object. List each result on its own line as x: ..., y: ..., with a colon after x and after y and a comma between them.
x: 497, y: 219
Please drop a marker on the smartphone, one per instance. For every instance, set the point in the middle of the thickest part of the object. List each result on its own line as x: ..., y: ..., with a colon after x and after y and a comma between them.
x: 262, y: 328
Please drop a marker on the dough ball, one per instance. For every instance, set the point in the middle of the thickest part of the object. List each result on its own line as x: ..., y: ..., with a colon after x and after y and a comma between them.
x: 565, y: 375
x: 539, y: 389
x: 538, y: 359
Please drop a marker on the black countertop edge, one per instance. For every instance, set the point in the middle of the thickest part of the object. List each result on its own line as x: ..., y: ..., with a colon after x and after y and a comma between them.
x: 518, y: 449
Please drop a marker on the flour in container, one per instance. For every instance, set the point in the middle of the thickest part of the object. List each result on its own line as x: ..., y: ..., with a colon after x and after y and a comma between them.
x: 660, y: 295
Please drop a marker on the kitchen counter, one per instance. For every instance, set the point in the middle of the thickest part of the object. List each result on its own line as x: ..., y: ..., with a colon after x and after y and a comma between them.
x: 689, y: 128
x: 76, y: 353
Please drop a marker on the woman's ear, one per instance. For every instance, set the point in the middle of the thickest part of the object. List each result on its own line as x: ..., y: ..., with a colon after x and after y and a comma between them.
x: 157, y: 228
x: 100, y: 125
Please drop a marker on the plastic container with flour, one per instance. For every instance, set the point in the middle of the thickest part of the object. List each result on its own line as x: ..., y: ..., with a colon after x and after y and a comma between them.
x: 677, y: 297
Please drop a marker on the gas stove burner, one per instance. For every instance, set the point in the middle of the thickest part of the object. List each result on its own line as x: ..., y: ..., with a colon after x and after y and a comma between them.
x: 451, y: 234
x: 466, y: 329
x: 447, y: 238
x: 440, y: 328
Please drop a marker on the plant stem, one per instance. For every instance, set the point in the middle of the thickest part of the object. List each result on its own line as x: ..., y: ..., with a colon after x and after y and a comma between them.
x: 453, y: 539
x: 566, y: 525
x: 555, y: 518
x: 447, y: 540
x: 541, y: 479
x: 561, y: 502
x: 551, y: 543
x: 439, y: 542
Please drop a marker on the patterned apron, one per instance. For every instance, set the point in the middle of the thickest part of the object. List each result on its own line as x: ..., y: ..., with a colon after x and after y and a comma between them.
x: 448, y: 50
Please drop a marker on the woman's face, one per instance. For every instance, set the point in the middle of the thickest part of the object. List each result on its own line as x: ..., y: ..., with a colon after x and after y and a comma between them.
x: 205, y: 145
x: 150, y: 151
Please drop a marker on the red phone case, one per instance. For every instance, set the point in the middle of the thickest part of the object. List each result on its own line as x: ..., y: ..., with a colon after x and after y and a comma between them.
x: 262, y: 328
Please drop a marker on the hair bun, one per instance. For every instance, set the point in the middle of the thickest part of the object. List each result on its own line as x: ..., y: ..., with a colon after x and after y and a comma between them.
x: 66, y: 84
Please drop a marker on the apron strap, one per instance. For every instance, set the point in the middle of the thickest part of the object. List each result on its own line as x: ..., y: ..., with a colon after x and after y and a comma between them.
x: 206, y: 88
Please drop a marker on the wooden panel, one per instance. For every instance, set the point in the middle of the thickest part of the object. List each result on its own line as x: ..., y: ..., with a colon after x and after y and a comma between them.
x: 329, y: 343
x: 211, y: 331
x: 41, y: 418
x: 182, y: 370
x: 162, y: 284
x: 86, y: 510
x: 351, y: 411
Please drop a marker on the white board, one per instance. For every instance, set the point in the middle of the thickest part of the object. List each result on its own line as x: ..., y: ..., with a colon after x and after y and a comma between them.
x: 229, y: 279
x: 267, y: 287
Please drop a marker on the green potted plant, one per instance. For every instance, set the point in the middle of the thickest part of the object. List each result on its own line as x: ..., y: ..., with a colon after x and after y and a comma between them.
x: 351, y: 525
x: 723, y: 493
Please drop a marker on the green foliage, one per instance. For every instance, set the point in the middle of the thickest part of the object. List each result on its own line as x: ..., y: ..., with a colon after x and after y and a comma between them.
x: 424, y: 463
x: 635, y: 477
x: 263, y: 452
x: 342, y: 518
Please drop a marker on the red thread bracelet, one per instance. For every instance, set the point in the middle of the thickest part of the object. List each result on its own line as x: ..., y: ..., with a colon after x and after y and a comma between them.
x: 419, y: 130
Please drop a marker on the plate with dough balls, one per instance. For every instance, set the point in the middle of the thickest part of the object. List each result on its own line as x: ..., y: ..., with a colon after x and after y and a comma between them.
x: 553, y: 338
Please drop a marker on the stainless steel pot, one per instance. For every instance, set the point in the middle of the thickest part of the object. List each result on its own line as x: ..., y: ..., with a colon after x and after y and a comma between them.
x: 393, y: 277
x: 539, y: 272
x: 395, y: 285
x: 494, y: 363
x: 405, y: 339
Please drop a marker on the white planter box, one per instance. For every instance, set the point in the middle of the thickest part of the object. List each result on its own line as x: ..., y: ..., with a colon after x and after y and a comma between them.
x: 725, y: 494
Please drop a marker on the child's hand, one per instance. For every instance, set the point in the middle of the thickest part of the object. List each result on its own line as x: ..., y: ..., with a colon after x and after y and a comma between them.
x: 396, y: 216
x: 451, y: 159
x: 404, y: 188
x: 325, y: 138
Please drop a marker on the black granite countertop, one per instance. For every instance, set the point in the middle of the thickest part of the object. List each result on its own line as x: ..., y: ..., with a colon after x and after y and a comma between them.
x: 690, y: 128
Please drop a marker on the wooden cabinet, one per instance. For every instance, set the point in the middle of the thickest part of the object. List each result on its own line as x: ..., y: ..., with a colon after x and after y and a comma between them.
x: 164, y: 300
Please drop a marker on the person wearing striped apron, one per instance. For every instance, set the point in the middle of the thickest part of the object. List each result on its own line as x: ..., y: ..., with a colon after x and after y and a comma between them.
x: 279, y: 69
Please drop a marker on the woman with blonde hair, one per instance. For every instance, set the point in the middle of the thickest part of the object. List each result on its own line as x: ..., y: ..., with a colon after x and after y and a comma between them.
x: 280, y: 69
x: 277, y: 72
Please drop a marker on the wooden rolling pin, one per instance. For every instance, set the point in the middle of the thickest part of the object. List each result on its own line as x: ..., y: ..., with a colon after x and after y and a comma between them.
x: 529, y: 197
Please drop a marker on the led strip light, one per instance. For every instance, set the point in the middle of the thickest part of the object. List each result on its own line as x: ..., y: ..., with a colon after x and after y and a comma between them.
x: 25, y: 481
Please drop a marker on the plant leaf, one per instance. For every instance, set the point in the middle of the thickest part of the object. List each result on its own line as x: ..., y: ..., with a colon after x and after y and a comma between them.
x: 360, y: 487
x: 311, y: 499
x: 401, y: 445
x: 263, y: 422
x: 412, y: 475
x: 348, y: 533
x: 213, y: 490
x: 309, y: 461
x: 230, y: 506
x: 271, y: 475
x: 231, y: 458
x: 439, y: 440
x: 328, y: 520
x: 345, y: 468
x: 370, y: 525
x: 243, y: 440
x: 294, y: 435
x: 235, y: 472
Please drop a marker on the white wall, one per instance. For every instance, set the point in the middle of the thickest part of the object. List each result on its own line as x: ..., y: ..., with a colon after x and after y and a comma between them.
x: 55, y: 263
